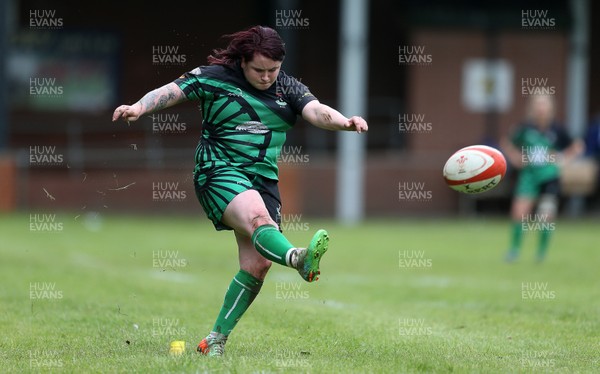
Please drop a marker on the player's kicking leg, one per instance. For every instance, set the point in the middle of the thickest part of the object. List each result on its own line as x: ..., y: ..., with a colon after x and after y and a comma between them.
x: 260, y: 242
x: 247, y: 215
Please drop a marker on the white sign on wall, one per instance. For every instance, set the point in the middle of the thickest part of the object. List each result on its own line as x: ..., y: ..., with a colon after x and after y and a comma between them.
x: 487, y: 85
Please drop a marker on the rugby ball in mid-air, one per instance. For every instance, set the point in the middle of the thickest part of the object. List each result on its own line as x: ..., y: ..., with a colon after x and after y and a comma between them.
x: 475, y: 169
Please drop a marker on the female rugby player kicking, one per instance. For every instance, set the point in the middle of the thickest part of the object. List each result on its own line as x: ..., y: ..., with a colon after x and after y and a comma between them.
x: 247, y: 104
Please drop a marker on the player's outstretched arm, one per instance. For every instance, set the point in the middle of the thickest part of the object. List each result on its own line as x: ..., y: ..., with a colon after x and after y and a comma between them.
x: 327, y: 118
x: 160, y: 98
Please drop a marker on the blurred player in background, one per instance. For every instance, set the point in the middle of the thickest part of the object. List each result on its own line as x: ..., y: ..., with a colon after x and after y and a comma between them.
x: 538, y: 148
x: 247, y: 104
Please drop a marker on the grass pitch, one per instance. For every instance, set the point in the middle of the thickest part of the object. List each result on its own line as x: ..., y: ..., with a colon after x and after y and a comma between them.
x: 395, y: 296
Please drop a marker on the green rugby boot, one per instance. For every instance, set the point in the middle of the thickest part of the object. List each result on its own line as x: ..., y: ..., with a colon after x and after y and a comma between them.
x: 309, y: 258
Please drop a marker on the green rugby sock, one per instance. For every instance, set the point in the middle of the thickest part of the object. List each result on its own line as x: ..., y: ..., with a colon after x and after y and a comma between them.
x: 240, y: 294
x: 273, y: 245
x: 516, y: 238
x: 545, y: 235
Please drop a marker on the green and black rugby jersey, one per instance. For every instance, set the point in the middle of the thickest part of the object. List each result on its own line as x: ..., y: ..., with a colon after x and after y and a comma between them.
x: 537, y: 148
x: 242, y: 127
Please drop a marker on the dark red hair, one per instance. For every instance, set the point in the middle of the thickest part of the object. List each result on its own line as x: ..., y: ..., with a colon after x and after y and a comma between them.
x: 244, y: 44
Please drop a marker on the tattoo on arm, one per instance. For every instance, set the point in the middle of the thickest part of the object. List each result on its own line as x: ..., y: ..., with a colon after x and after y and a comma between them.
x: 160, y: 98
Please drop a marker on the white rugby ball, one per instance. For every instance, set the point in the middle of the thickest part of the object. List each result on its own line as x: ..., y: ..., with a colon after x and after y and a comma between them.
x: 475, y: 169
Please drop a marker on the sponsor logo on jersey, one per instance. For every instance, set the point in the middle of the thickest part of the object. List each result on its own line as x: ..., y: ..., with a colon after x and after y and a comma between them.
x: 253, y: 127
x: 238, y: 93
x: 280, y: 102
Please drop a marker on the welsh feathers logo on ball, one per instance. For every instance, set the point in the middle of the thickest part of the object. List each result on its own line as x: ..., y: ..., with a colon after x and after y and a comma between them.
x: 475, y: 169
